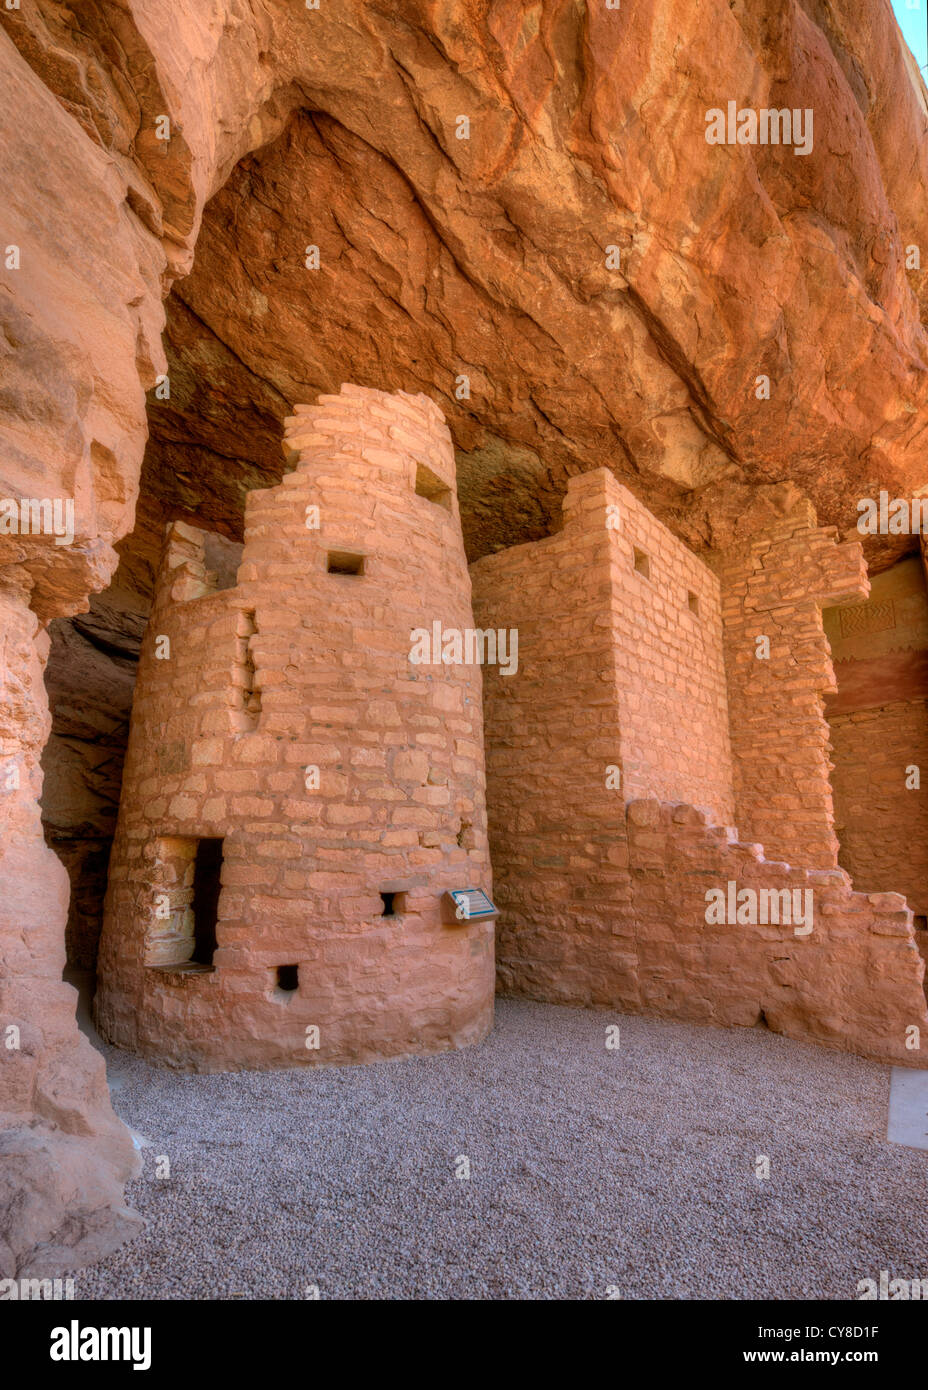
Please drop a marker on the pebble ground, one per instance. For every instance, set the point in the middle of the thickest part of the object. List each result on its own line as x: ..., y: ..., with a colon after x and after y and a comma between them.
x: 590, y: 1169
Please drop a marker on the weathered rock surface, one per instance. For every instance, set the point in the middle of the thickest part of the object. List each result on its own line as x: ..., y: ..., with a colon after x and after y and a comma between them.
x: 486, y: 257
x: 96, y: 652
x: 63, y: 1154
x: 439, y: 257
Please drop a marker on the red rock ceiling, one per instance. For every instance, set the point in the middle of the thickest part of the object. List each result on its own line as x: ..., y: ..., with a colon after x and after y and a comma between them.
x: 487, y: 257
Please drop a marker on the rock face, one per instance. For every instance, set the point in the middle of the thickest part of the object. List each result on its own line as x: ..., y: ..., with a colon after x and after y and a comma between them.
x: 440, y: 258
x: 486, y: 257
x: 82, y: 761
x: 63, y: 1154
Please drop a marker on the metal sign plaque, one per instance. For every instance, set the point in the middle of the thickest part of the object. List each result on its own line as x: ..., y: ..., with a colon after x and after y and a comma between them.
x: 470, y: 904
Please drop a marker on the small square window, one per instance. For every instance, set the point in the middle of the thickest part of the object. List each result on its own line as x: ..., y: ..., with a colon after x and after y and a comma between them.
x: 642, y: 563
x: 692, y: 602
x: 343, y: 562
x: 288, y: 978
x: 429, y: 485
x: 393, y: 904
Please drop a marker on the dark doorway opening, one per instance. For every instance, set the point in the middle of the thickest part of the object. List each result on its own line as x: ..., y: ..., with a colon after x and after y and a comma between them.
x: 206, y: 886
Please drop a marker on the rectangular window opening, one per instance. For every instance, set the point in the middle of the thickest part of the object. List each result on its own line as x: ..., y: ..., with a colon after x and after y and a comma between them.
x: 249, y: 694
x: 692, y: 602
x: 642, y: 563
x: 343, y: 562
x: 430, y: 486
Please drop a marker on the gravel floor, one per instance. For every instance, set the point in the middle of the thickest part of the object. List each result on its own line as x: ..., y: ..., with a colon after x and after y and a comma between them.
x: 589, y: 1168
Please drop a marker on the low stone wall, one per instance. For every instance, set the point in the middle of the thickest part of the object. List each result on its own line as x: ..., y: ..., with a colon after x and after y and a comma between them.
x: 854, y: 982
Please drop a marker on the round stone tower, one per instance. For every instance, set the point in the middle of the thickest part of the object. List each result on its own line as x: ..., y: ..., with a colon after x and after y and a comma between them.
x: 302, y: 788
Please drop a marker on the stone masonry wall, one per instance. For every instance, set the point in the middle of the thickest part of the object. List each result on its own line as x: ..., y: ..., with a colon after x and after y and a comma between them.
x: 776, y: 587
x: 620, y: 685
x: 603, y: 892
x: 667, y: 644
x: 299, y: 669
x: 855, y: 982
x: 879, y: 731
x: 556, y: 827
x: 881, y: 823
x: 620, y: 692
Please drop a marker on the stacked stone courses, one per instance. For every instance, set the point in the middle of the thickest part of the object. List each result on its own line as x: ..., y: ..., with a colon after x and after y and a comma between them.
x: 302, y: 671
x: 633, y: 755
x: 884, y: 838
x: 879, y: 732
x: 636, y: 657
x: 776, y: 586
